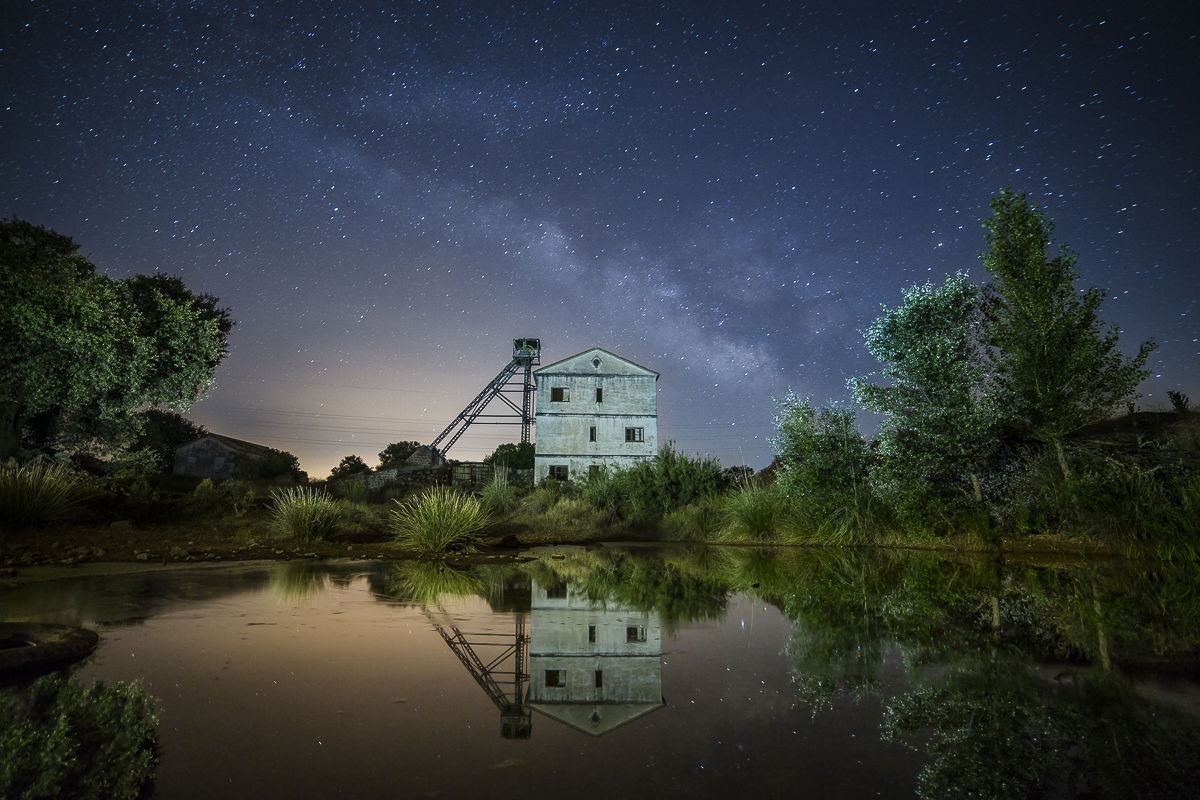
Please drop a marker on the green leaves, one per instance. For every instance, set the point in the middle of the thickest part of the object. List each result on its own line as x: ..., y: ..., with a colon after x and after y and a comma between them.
x: 1055, y: 365
x: 87, y: 351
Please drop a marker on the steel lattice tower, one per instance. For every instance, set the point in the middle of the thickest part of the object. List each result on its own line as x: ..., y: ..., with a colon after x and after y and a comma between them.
x: 516, y: 377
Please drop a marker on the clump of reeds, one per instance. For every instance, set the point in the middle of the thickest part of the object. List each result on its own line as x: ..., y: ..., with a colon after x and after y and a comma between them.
x: 499, y: 496
x: 439, y: 519
x: 752, y: 513
x: 39, y: 493
x: 304, y: 514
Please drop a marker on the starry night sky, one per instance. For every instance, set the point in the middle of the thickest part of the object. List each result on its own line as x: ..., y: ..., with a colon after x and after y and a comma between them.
x: 386, y: 194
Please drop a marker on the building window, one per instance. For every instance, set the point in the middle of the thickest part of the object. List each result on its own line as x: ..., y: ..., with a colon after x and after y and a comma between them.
x: 556, y: 678
x: 635, y: 633
x: 591, y: 634
x: 635, y: 435
x: 599, y: 394
x: 599, y: 679
x: 559, y: 472
x: 595, y: 471
x: 560, y: 394
x: 592, y: 434
x: 557, y: 592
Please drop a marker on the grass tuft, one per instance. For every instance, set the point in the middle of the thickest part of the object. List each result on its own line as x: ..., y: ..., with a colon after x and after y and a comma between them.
x: 39, y: 493
x: 304, y: 514
x: 753, y: 513
x: 439, y: 519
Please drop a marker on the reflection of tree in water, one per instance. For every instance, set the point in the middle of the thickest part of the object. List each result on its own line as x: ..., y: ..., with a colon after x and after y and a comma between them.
x: 679, y: 585
x: 1016, y: 677
x: 62, y: 740
x: 997, y: 727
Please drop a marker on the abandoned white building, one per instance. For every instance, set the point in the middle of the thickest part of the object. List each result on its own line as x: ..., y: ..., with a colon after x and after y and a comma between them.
x: 594, y: 410
x: 592, y: 666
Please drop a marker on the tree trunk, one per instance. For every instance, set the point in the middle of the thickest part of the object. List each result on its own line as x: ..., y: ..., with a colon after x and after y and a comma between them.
x: 10, y: 430
x: 1062, y: 458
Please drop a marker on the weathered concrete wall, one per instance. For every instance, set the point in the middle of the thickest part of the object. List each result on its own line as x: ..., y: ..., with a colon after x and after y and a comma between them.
x: 579, y: 428
x: 205, y: 458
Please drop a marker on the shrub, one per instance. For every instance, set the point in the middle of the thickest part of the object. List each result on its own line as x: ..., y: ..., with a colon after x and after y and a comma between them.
x: 439, y: 519
x: 352, y: 489
x: 39, y: 493
x: 700, y: 521
x: 667, y: 482
x: 304, y: 514
x: 60, y: 739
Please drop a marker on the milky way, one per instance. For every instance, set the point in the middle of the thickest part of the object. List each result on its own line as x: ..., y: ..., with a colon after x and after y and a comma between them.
x: 386, y: 194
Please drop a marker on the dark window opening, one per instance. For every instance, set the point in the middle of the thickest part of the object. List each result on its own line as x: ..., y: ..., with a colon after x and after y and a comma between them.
x: 635, y: 633
x: 599, y: 679
x: 599, y: 394
x: 560, y: 394
x: 592, y: 434
x: 559, y: 472
x: 556, y: 678
x: 557, y: 592
x: 635, y: 435
x: 592, y: 634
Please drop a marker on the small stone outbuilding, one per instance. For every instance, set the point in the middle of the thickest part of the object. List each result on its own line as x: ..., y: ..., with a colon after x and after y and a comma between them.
x: 219, y: 457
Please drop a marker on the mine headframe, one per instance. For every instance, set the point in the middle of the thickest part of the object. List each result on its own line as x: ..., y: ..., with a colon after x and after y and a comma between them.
x: 515, y: 379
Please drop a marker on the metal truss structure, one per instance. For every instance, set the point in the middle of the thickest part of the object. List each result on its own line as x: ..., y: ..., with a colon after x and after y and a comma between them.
x: 515, y: 378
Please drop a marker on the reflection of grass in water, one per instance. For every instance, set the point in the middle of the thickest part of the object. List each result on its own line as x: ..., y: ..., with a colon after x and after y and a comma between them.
x: 426, y: 581
x: 61, y: 740
x: 293, y: 581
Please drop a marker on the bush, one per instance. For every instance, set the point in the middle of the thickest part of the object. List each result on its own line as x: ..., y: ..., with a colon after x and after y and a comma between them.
x: 667, y: 482
x: 439, y: 519
x: 60, y: 739
x: 39, y: 493
x: 304, y: 514
x: 700, y: 521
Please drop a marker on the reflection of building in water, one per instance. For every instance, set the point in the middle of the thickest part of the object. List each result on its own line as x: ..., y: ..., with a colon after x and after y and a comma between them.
x: 592, y: 668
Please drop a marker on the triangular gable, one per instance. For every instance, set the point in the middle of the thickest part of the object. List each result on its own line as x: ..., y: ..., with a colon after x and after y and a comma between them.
x: 236, y: 445
x: 596, y: 719
x: 584, y: 364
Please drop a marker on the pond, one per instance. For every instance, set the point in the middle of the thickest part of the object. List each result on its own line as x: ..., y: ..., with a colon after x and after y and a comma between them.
x: 637, y: 672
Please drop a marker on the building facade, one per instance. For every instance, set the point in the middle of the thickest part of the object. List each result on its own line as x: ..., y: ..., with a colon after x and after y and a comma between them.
x: 595, y: 410
x: 593, y: 666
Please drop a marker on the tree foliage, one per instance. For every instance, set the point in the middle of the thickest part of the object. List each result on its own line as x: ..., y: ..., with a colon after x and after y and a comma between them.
x: 396, y: 453
x: 1056, y: 366
x: 349, y: 465
x: 824, y: 458
x: 940, y: 423
x: 514, y: 456
x: 81, y: 352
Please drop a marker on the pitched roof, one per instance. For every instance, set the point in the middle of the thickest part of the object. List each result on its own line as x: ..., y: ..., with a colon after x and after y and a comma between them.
x: 580, y: 362
x: 237, y: 445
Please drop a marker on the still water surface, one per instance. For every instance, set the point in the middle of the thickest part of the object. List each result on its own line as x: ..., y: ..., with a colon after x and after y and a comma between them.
x: 652, y: 673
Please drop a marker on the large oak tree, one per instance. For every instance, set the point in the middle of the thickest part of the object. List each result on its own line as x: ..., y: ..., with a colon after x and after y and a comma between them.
x: 81, y: 352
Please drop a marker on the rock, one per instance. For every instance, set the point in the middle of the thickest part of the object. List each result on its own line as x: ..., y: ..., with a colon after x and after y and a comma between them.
x: 99, y: 552
x: 177, y: 552
x: 142, y: 556
x: 121, y: 525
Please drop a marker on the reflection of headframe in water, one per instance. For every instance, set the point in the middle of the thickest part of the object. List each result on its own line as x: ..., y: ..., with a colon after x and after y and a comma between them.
x: 504, y: 678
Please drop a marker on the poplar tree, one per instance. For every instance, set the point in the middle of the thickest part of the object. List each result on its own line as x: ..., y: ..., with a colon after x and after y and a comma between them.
x: 1056, y: 366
